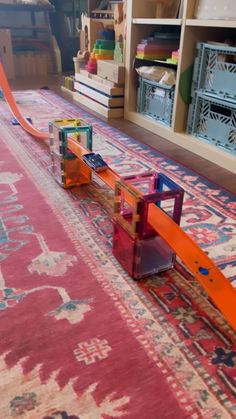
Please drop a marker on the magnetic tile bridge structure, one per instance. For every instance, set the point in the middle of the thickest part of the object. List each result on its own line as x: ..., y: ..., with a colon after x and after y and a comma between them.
x: 146, y: 231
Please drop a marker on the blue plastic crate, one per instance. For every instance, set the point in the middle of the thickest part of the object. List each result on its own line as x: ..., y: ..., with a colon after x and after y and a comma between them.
x: 213, y: 120
x: 155, y: 100
x: 215, y: 70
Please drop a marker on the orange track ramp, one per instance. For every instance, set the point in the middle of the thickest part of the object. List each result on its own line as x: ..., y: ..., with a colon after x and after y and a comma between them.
x: 14, y: 109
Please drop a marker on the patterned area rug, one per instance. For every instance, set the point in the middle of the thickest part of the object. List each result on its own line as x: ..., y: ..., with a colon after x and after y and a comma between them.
x: 79, y: 338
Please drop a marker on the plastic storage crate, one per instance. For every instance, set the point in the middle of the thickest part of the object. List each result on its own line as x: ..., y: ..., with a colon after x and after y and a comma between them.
x: 155, y: 100
x: 213, y: 120
x: 215, y: 70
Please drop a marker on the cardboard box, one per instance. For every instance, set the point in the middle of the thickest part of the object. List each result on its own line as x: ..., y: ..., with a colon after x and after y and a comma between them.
x: 6, y: 54
x: 111, y: 71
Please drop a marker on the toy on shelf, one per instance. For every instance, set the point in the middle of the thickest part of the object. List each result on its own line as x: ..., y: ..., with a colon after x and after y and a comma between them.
x: 89, y: 32
x: 136, y: 245
x: 158, y: 47
x: 91, y: 66
x: 102, y: 94
x: 103, y: 47
x: 174, y: 58
x: 81, y: 60
x: 120, y: 31
x: 68, y: 83
x: 68, y: 170
x: 119, y: 53
x: 91, y: 28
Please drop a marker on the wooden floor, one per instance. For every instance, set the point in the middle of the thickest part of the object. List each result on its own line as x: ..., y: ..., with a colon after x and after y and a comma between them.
x: 213, y: 172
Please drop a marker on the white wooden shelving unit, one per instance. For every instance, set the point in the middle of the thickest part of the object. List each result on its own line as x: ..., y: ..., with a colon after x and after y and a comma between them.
x: 140, y: 24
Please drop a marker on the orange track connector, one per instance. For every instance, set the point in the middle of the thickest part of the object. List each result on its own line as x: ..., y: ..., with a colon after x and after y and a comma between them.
x: 204, y: 270
x: 14, y: 109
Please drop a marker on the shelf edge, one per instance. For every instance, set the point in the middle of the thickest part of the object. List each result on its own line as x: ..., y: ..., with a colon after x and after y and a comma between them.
x: 211, y: 23
x: 155, y: 21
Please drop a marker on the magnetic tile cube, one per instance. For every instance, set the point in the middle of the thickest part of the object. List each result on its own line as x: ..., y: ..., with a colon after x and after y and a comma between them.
x: 141, y: 258
x: 70, y: 172
x: 61, y: 128
x: 140, y: 191
x: 136, y: 245
x: 128, y: 205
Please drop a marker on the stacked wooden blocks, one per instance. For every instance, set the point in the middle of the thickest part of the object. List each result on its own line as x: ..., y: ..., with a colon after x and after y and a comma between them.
x: 104, y: 92
x: 103, y: 49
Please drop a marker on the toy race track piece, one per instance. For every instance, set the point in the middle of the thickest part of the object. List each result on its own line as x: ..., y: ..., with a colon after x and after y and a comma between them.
x: 4, y: 85
x: 95, y: 162
x: 14, y: 121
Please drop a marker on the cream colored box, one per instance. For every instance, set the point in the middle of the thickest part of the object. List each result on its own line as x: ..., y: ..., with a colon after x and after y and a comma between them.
x: 112, y: 71
x: 217, y: 9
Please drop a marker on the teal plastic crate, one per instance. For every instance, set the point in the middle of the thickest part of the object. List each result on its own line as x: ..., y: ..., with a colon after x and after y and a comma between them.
x: 215, y: 70
x: 155, y: 100
x: 213, y: 120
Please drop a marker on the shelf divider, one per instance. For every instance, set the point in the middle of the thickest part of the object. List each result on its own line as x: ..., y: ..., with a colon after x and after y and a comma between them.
x: 214, y: 23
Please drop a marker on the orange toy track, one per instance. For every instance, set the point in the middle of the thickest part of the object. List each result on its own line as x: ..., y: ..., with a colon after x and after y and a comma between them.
x: 204, y: 270
x: 14, y: 109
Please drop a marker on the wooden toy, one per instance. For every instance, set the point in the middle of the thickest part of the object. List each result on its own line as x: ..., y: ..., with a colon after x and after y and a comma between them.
x: 89, y: 33
x: 81, y: 59
x: 157, y: 48
x: 120, y: 30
